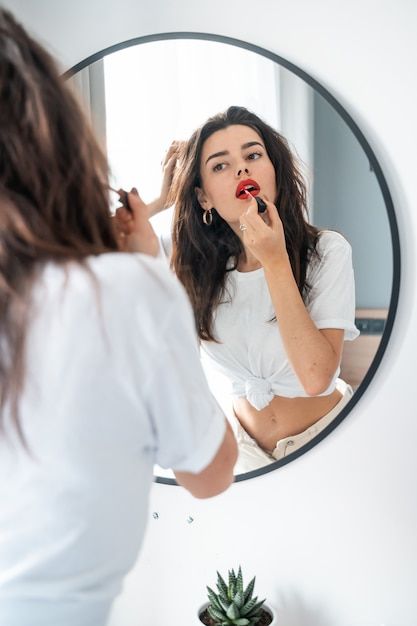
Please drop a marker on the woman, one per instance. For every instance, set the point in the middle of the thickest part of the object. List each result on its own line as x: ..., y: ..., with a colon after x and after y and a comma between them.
x: 273, y: 297
x: 89, y: 336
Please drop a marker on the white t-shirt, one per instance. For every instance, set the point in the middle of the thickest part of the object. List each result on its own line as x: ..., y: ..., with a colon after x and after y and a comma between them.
x: 251, y: 352
x: 114, y: 384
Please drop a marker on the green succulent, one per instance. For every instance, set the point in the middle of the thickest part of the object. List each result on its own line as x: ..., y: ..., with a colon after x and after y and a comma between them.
x: 234, y: 605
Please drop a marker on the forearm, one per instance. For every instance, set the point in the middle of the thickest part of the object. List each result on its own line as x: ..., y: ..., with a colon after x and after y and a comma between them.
x: 218, y: 475
x: 156, y: 206
x: 311, y: 355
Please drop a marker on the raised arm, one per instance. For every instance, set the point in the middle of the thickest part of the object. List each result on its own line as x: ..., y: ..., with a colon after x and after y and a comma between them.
x: 135, y: 232
x: 168, y: 166
x: 314, y: 354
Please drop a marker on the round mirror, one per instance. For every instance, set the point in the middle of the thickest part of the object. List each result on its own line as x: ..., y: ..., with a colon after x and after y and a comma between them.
x: 143, y: 94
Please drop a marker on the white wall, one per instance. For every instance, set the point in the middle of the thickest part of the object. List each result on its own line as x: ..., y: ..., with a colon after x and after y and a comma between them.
x: 332, y: 536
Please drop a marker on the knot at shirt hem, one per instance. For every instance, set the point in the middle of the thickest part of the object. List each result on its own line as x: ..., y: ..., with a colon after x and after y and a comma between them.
x: 259, y: 392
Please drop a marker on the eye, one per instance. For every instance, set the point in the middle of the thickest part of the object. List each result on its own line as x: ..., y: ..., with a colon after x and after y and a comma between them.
x: 219, y: 167
x: 254, y: 155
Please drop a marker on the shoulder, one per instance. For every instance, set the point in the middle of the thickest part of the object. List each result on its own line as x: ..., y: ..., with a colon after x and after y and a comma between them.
x: 133, y: 273
x: 333, y: 253
x: 329, y: 240
x: 144, y: 287
x: 123, y: 283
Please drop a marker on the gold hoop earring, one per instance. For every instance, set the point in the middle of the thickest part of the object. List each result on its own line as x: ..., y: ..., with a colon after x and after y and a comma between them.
x: 207, y: 217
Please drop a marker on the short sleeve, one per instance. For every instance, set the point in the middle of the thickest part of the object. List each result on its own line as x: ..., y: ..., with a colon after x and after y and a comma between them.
x: 331, y: 299
x: 162, y: 224
x: 165, y: 246
x: 188, y: 424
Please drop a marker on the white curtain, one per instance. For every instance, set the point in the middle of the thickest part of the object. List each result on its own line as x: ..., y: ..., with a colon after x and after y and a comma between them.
x: 88, y: 84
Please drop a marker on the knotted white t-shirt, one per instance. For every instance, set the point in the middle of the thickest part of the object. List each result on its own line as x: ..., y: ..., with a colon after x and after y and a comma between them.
x: 251, y: 353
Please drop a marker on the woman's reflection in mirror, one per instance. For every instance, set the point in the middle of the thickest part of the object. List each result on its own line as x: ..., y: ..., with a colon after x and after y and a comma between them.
x: 273, y: 297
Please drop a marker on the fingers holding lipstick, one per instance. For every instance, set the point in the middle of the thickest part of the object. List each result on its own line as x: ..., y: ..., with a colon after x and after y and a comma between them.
x: 272, y: 213
x: 252, y: 211
x: 263, y: 234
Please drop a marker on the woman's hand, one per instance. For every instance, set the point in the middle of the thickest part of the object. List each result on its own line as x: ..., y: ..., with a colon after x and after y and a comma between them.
x: 133, y: 229
x: 264, y: 235
x: 168, y: 167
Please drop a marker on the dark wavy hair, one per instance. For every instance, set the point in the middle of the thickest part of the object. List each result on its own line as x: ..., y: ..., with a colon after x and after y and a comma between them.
x: 202, y: 254
x: 53, y: 189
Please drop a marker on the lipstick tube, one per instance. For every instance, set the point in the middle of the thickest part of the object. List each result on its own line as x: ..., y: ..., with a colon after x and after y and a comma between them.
x: 261, y: 204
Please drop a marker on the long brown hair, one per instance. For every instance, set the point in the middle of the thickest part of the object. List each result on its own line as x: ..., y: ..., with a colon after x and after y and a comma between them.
x: 53, y: 189
x: 202, y: 254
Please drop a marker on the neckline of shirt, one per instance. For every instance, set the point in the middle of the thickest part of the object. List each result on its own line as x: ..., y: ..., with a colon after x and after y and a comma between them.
x: 248, y: 275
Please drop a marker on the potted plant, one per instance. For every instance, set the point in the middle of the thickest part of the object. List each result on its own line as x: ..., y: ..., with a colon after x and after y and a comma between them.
x: 233, y: 605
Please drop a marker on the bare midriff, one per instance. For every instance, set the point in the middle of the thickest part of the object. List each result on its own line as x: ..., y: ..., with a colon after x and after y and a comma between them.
x: 283, y: 417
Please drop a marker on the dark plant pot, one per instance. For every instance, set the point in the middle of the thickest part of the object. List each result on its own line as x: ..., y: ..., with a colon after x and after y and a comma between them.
x: 267, y: 608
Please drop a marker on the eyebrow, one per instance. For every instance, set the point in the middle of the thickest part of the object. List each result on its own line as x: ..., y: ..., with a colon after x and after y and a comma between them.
x: 243, y: 147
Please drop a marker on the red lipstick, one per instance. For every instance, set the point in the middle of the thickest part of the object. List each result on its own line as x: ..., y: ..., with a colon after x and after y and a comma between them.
x: 246, y: 186
x: 261, y: 204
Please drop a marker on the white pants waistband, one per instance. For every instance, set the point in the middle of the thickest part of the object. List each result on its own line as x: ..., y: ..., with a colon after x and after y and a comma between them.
x: 252, y: 456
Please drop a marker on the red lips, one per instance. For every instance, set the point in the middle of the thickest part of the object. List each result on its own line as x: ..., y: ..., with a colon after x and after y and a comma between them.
x: 247, y: 185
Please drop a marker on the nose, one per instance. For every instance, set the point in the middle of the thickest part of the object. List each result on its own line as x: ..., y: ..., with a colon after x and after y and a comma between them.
x: 243, y: 170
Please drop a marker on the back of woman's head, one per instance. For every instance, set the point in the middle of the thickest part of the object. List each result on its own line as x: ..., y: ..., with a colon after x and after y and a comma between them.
x: 52, y: 173
x: 53, y: 177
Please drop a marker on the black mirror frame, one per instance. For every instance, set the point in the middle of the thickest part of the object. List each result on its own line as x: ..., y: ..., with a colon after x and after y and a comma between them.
x: 385, y: 193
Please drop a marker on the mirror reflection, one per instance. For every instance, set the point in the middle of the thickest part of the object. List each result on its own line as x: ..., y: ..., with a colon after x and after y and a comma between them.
x: 289, y: 301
